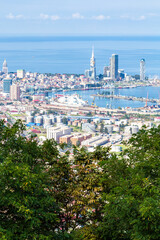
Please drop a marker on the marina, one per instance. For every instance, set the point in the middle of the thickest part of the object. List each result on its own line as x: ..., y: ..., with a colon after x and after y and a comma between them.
x: 130, y: 98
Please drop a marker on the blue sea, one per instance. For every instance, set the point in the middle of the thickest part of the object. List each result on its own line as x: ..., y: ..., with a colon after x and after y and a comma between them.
x: 72, y: 54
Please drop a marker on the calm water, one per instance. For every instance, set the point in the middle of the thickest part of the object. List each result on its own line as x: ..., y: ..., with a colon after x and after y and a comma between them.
x: 72, y: 54
x: 153, y: 92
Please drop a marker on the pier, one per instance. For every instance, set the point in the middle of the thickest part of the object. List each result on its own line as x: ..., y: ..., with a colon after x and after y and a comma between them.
x: 130, y: 98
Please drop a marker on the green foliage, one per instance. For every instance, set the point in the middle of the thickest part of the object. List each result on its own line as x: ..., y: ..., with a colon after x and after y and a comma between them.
x: 90, y: 196
x: 65, y: 120
x: 27, y: 207
x: 132, y: 202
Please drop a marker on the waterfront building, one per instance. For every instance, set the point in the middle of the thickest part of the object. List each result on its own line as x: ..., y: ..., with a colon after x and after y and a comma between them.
x: 121, y: 73
x: 15, y: 92
x: 5, y: 67
x: 88, y: 73
x: 142, y: 69
x: 91, y: 73
x: 20, y: 73
x: 6, y: 85
x: 114, y: 66
x: 93, y: 65
x: 106, y: 71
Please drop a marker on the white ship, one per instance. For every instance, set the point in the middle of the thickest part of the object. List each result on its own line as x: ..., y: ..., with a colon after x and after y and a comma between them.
x: 71, y: 100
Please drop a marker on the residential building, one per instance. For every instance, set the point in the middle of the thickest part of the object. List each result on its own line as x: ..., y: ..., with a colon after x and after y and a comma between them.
x: 7, y: 82
x: 57, y: 132
x: 20, y: 73
x: 114, y: 66
x: 14, y: 92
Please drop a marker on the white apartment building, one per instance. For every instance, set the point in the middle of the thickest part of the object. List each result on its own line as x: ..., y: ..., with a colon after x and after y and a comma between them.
x: 57, y: 132
x: 15, y: 92
x: 20, y: 73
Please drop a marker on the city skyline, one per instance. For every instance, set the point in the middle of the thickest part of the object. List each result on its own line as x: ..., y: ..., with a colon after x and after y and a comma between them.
x: 80, y: 17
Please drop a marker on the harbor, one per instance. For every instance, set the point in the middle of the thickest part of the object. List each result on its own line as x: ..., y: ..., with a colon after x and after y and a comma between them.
x: 129, y: 98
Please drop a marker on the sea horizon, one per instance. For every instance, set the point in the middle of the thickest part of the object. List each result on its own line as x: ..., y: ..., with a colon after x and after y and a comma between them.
x: 71, y: 54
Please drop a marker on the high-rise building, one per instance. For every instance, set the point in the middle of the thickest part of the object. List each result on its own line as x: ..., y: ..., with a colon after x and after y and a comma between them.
x: 106, y: 71
x: 91, y: 73
x: 15, y: 92
x: 114, y: 66
x: 20, y: 73
x: 93, y: 66
x: 6, y: 85
x: 121, y: 73
x: 88, y: 73
x: 5, y: 67
x: 142, y: 69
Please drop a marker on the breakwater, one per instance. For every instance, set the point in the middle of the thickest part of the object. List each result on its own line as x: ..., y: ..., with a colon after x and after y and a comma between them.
x: 131, y: 98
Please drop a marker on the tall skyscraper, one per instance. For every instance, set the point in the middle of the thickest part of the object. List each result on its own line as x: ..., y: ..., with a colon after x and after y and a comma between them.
x: 114, y: 66
x: 91, y: 73
x: 93, y: 66
x: 15, y: 92
x: 6, y: 85
x: 142, y: 69
x: 5, y: 67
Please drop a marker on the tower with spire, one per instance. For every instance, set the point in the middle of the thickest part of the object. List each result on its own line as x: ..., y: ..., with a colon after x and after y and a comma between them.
x: 91, y: 73
x: 93, y: 65
x: 5, y: 67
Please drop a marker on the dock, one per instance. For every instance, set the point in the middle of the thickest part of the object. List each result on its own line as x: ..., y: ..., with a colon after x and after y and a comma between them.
x: 130, y: 98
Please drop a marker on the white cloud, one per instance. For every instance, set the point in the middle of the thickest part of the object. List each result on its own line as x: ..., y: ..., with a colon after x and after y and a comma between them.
x: 44, y: 16
x: 142, y: 18
x: 139, y: 18
x: 101, y: 17
x: 11, y: 16
x: 48, y: 17
x: 153, y: 14
x: 54, y: 17
x: 77, y: 16
x: 125, y: 17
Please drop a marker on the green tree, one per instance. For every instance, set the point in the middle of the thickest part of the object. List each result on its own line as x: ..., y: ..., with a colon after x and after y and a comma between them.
x: 132, y: 190
x: 27, y: 207
x: 65, y: 120
x: 102, y: 127
x: 87, y: 196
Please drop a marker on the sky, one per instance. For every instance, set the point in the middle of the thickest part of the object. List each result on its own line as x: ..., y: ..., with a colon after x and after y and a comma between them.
x: 80, y: 17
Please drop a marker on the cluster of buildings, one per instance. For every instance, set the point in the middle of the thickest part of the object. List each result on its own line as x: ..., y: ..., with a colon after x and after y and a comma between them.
x: 23, y: 96
x: 11, y: 90
x: 106, y: 129
x: 18, y: 85
x: 112, y: 72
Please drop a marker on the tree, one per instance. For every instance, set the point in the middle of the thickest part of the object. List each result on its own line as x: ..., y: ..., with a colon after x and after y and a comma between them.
x: 28, y: 209
x: 102, y: 127
x: 65, y: 120
x: 132, y: 190
x: 87, y: 196
x: 106, y: 130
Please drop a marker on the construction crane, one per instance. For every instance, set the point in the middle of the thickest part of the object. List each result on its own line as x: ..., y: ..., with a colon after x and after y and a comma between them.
x: 93, y: 103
